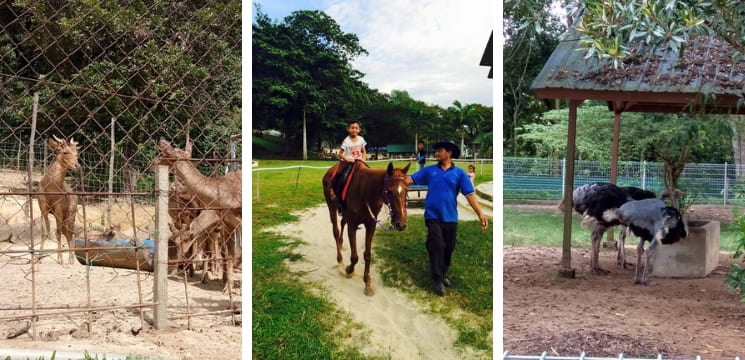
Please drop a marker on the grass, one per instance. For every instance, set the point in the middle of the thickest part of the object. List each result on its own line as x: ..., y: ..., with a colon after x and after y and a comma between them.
x: 468, y: 304
x: 291, y: 320
x: 546, y: 229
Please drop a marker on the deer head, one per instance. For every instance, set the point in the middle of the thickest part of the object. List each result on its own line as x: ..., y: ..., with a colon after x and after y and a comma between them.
x: 65, y: 153
x: 170, y: 154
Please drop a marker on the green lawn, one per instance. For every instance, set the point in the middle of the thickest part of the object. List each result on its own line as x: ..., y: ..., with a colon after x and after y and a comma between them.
x: 546, y: 229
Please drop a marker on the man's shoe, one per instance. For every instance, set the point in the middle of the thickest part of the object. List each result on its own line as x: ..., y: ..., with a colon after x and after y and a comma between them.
x: 446, y: 281
x: 439, y: 289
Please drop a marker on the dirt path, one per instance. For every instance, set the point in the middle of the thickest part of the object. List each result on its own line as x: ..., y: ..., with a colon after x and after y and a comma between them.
x: 398, y: 326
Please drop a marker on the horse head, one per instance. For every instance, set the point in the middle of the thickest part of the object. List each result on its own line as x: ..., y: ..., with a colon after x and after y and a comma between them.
x: 395, y: 190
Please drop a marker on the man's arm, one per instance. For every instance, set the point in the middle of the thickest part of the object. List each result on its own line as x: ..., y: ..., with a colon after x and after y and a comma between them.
x: 475, y: 206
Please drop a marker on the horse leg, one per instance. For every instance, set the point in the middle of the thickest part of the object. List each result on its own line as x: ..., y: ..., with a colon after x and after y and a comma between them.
x: 369, y: 233
x: 338, y: 238
x: 352, y: 234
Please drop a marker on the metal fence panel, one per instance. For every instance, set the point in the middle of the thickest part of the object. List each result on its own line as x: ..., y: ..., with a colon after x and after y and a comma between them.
x: 542, y: 179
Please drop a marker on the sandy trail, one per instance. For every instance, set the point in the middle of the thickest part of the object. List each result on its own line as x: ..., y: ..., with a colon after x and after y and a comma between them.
x: 398, y: 326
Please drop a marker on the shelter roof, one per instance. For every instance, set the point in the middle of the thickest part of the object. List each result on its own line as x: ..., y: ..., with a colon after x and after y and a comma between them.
x: 658, y: 81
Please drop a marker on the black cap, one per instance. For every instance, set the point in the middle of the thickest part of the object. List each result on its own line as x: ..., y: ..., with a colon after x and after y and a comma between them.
x: 448, y: 146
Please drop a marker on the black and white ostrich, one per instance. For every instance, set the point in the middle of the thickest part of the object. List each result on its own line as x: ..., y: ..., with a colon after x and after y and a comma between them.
x: 653, y: 221
x: 594, y: 200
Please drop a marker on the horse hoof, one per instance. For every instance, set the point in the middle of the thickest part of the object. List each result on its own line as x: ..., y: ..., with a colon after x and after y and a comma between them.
x: 369, y: 292
x: 350, y: 271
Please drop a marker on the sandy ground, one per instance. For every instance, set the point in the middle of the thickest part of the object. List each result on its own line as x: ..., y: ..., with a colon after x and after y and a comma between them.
x: 604, y: 315
x: 398, y: 326
x: 116, y: 331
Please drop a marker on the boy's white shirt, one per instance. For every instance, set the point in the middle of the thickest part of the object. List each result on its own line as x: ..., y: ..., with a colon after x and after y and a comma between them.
x: 353, y: 149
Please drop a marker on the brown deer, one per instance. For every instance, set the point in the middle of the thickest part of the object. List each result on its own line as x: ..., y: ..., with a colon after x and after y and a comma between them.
x: 63, y: 205
x: 220, y: 196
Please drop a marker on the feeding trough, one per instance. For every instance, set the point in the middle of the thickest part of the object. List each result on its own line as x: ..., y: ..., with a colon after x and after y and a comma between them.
x: 694, y: 256
x: 104, y: 253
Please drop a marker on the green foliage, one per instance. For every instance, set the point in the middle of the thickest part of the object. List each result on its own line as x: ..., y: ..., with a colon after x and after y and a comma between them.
x: 643, y: 136
x: 161, y: 68
x: 735, y: 280
x: 526, y: 49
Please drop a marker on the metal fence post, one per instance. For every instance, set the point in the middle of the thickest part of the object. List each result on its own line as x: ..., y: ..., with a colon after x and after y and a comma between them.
x: 726, y: 184
x: 160, y: 288
x: 644, y: 175
x: 563, y: 175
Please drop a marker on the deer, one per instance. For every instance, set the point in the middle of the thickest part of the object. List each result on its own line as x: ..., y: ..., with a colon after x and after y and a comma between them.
x: 56, y: 196
x: 220, y: 196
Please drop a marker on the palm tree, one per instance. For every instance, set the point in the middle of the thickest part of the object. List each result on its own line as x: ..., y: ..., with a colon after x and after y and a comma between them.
x: 465, y: 117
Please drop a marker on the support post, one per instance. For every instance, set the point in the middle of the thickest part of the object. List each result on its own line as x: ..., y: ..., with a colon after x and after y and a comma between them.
x: 566, y: 252
x: 726, y: 184
x: 160, y: 289
x: 610, y: 243
x: 111, y: 174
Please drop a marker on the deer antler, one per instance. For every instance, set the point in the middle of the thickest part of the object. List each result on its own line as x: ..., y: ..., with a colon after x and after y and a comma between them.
x: 57, y: 139
x: 73, y: 142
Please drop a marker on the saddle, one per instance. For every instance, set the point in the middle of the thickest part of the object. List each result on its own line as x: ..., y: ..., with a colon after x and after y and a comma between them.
x: 341, y: 179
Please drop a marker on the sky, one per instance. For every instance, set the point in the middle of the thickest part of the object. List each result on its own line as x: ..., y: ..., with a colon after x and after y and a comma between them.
x: 430, y: 48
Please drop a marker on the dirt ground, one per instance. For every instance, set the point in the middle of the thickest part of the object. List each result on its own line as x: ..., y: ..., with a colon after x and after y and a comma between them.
x: 604, y: 315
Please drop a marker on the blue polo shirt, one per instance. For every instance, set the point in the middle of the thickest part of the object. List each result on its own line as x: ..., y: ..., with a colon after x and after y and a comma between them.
x: 443, y: 187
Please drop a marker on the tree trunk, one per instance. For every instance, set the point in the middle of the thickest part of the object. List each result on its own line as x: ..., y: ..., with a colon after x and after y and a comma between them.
x: 305, y: 138
x: 737, y: 123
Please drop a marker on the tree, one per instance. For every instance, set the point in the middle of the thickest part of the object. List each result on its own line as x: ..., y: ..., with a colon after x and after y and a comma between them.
x: 526, y: 50
x: 464, y: 117
x: 686, y: 138
x: 301, y: 71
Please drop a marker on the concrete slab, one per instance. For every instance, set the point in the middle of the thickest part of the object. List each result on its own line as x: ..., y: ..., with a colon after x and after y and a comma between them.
x: 697, y: 255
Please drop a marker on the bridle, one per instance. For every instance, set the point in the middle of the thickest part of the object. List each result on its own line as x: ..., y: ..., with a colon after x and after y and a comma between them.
x: 387, y: 199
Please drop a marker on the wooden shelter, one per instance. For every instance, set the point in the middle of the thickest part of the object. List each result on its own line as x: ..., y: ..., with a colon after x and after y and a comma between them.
x: 703, y: 79
x: 487, y: 58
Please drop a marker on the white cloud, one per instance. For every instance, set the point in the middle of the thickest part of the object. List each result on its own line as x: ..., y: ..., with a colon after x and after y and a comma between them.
x: 429, y: 48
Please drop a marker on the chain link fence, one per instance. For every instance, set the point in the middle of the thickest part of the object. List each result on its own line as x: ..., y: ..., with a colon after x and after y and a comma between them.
x: 543, y: 179
x: 115, y: 77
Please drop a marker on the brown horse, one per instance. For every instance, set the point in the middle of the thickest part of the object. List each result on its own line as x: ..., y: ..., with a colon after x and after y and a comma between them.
x: 368, y: 190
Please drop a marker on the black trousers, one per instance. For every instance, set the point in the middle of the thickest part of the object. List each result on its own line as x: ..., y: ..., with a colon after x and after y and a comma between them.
x: 440, y: 246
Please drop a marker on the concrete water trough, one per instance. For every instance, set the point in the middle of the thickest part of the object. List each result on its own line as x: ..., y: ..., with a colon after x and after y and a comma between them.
x: 125, y: 258
x: 694, y: 256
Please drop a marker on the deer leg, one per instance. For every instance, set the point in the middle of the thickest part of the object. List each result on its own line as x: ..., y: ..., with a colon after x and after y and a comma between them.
x: 229, y: 245
x: 369, y: 233
x: 597, y: 235
x: 352, y: 234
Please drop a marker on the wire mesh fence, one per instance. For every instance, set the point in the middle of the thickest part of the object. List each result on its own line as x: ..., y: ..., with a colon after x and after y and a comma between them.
x: 543, y: 179
x: 86, y: 90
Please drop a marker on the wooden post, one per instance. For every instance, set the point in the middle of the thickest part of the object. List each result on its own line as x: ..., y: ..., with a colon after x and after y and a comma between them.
x: 160, y: 289
x: 30, y: 201
x: 566, y: 253
x: 111, y: 174
x: 610, y: 243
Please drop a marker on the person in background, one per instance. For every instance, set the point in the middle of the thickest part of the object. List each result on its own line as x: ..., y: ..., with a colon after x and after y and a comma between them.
x: 421, y: 155
x: 471, y: 172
